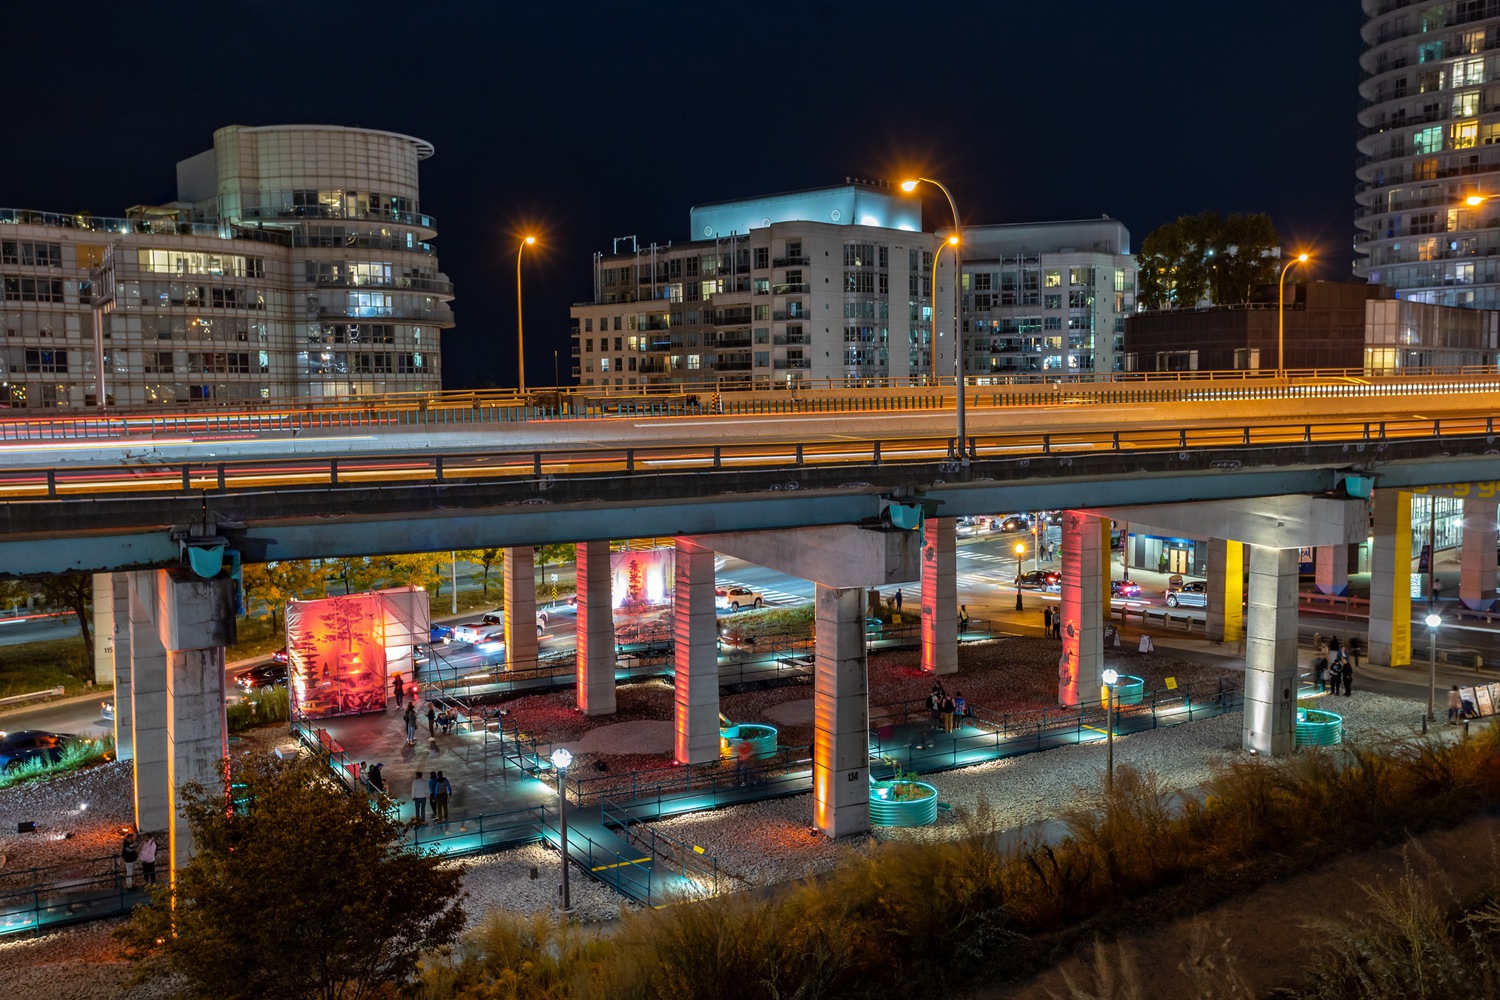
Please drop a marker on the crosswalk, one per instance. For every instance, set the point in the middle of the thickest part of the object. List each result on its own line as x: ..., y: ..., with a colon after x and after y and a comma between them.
x: 770, y: 598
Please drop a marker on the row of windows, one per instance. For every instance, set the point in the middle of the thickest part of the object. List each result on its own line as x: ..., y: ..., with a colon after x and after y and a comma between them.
x: 165, y: 295
x: 185, y: 262
x: 362, y: 363
x: 30, y: 253
x: 33, y: 289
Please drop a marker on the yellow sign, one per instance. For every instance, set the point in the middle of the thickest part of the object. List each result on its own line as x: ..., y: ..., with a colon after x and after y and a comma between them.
x: 1171, y: 684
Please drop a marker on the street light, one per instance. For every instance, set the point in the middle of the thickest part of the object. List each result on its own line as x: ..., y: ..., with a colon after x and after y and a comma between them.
x: 1433, y: 621
x: 520, y: 334
x: 1110, y: 677
x: 561, y: 758
x: 1020, y: 551
x: 958, y: 341
x: 1281, y: 315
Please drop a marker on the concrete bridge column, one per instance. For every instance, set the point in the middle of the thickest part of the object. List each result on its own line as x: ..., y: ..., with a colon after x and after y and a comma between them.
x: 1271, y: 652
x: 120, y: 656
x: 1225, y: 615
x: 841, y: 712
x: 104, y: 628
x: 1476, y: 584
x: 940, y: 597
x: 180, y: 625
x: 1390, y: 580
x: 1331, y: 564
x: 596, y: 631
x: 1085, y: 567
x: 697, y: 656
x: 520, y: 607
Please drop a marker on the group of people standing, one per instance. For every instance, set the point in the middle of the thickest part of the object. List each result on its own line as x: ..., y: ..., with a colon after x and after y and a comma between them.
x: 1333, y: 665
x: 435, y: 789
x: 1052, y: 622
x: 138, y: 847
x: 948, y: 711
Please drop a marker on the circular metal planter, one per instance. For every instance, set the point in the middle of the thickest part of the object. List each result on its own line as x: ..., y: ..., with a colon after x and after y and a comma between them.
x: 917, y: 808
x: 1129, y: 690
x: 1316, y: 728
x: 762, y: 739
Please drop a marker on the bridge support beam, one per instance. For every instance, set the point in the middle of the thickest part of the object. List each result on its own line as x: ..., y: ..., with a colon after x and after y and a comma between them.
x: 1224, y: 617
x: 1271, y: 652
x: 1331, y: 569
x: 179, y: 626
x: 844, y: 555
x: 119, y: 594
x: 596, y: 631
x: 1476, y: 582
x: 520, y: 607
x: 696, y: 655
x: 1085, y: 567
x: 104, y: 628
x: 1390, y: 580
x: 940, y: 597
x: 841, y: 714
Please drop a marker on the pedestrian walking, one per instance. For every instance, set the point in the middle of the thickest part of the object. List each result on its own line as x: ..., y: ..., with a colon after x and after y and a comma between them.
x: 1320, y: 671
x: 1455, y: 704
x: 898, y: 598
x: 1047, y: 622
x: 397, y: 689
x: 440, y: 804
x: 1346, y: 669
x: 743, y: 751
x: 128, y: 854
x: 411, y: 725
x: 377, y: 779
x: 419, y: 797
x: 431, y: 720
x: 960, y: 710
x: 148, y: 859
x: 1353, y: 646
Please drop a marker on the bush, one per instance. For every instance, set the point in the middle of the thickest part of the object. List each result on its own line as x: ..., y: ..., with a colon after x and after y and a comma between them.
x: 79, y: 754
x: 263, y: 708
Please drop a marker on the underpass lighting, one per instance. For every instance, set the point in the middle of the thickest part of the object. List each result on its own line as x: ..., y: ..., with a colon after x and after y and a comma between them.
x: 561, y: 759
x: 1110, y: 677
x: 1433, y: 620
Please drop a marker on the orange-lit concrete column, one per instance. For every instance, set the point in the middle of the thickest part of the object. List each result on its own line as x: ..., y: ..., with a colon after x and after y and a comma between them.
x: 1331, y: 569
x: 1271, y: 652
x: 148, y: 694
x: 696, y: 656
x: 1085, y: 551
x: 1476, y: 582
x: 1225, y: 614
x: 520, y: 607
x: 1390, y: 580
x: 841, y: 714
x: 596, y: 631
x: 120, y: 654
x: 939, y: 597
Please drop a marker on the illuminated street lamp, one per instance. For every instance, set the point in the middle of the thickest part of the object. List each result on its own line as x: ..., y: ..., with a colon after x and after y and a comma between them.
x: 958, y: 363
x: 1110, y: 677
x: 520, y: 334
x: 1433, y: 621
x: 1281, y: 315
x: 1020, y: 551
x: 561, y: 758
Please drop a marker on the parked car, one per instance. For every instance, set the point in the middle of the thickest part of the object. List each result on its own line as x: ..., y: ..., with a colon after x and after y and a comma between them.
x: 735, y: 598
x: 1124, y: 588
x: 266, y: 675
x: 440, y: 634
x: 32, y: 744
x: 1192, y: 595
x: 1039, y: 579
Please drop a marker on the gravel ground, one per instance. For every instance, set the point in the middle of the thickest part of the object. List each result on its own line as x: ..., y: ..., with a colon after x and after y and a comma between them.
x: 760, y: 844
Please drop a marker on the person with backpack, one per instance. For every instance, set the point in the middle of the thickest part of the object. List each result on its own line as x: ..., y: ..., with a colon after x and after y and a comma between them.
x: 947, y: 712
x: 440, y: 802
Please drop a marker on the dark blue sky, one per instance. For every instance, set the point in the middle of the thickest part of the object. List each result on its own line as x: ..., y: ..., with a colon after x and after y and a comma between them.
x: 589, y: 121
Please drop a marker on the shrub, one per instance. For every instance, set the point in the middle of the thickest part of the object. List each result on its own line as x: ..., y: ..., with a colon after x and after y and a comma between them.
x: 261, y: 708
x: 80, y: 753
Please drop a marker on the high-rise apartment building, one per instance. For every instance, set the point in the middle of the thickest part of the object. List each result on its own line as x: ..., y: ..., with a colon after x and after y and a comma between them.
x: 1429, y: 167
x: 838, y: 284
x: 296, y: 262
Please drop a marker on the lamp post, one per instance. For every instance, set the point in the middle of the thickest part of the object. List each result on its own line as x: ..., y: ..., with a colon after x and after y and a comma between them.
x: 1020, y: 551
x: 958, y: 354
x: 1281, y: 315
x: 520, y: 331
x: 561, y: 758
x: 1433, y: 621
x: 1111, y: 677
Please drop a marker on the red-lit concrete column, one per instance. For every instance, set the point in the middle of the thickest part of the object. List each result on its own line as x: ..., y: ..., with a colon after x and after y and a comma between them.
x: 1085, y: 566
x: 520, y: 607
x: 1390, y: 580
x: 1224, y: 617
x: 1476, y: 582
x: 1331, y: 569
x: 696, y: 656
x: 841, y: 714
x: 596, y: 631
x: 939, y: 597
x: 1271, y: 652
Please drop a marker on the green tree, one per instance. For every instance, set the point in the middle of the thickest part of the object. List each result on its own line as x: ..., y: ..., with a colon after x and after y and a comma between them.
x: 75, y: 592
x: 485, y: 559
x: 1206, y: 256
x: 300, y: 891
x: 428, y: 570
x: 275, y: 583
x: 13, y: 593
x: 356, y: 573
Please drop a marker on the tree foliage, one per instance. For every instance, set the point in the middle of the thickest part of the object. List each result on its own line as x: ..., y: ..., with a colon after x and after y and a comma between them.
x: 428, y: 570
x: 300, y: 891
x: 75, y: 592
x: 1207, y: 256
x: 485, y: 559
x: 275, y: 583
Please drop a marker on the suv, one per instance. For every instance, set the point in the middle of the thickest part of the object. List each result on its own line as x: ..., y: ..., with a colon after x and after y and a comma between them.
x: 1191, y: 595
x: 474, y: 631
x: 734, y: 598
x: 1040, y: 579
x: 1013, y: 522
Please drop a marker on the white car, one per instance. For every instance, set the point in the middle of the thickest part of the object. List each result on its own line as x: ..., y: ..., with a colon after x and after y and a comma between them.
x: 734, y: 598
x: 471, y: 632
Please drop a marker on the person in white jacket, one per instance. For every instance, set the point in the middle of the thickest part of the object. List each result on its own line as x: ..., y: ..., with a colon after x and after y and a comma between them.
x: 419, y: 797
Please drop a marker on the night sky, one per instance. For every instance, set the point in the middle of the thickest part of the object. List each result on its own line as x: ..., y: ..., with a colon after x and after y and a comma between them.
x: 587, y: 121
